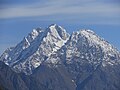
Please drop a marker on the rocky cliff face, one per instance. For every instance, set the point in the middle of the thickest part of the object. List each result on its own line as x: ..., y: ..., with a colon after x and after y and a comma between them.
x: 52, y: 59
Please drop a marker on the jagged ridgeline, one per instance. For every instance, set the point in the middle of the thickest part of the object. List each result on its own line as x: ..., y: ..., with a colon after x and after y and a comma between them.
x: 52, y: 59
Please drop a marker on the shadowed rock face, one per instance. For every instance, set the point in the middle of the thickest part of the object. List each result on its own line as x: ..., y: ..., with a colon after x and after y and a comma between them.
x: 9, y: 80
x: 45, y: 78
x: 101, y: 79
x: 51, y: 78
x: 52, y: 60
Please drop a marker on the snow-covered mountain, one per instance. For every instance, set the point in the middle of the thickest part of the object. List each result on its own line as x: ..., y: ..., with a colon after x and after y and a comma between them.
x: 38, y: 46
x: 78, y: 60
x: 35, y: 48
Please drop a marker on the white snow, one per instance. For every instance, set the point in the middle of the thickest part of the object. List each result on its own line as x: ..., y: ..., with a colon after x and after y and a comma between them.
x: 26, y: 44
x: 36, y: 64
x: 72, y: 80
x: 6, y: 56
x: 34, y: 33
x: 6, y: 63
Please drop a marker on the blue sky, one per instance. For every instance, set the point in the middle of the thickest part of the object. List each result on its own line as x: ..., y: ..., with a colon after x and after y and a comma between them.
x: 19, y: 17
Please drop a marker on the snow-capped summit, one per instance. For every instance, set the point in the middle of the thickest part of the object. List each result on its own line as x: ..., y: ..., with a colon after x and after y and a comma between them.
x: 92, y: 47
x: 55, y: 45
x: 87, y: 30
x: 58, y: 34
x: 54, y: 29
x: 35, y: 48
x: 96, y: 40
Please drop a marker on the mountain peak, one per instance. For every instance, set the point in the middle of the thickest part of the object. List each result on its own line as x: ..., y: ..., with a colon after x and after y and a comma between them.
x: 57, y: 30
x: 87, y: 31
x: 94, y: 39
x: 53, y: 27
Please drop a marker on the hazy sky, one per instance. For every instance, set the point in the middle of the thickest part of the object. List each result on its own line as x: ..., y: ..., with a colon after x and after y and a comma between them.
x: 19, y: 17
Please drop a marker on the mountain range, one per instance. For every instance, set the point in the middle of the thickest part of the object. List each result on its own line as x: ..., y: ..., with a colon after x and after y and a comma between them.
x: 53, y: 59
